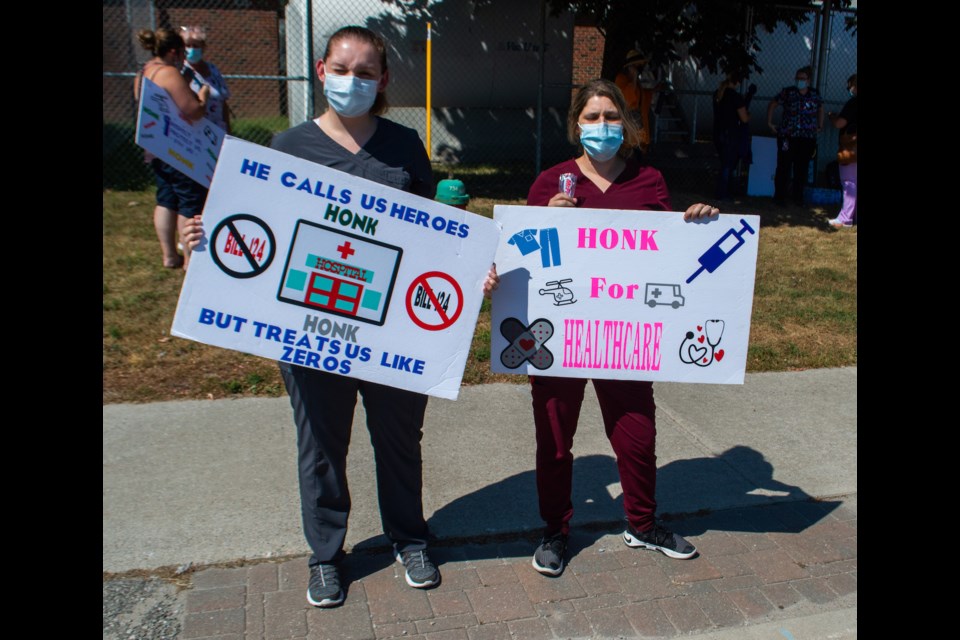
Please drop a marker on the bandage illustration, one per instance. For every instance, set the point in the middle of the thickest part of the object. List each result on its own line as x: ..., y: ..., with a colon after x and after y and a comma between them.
x: 526, y: 343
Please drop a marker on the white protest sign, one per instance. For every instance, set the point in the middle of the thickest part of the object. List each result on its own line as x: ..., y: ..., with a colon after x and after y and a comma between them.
x: 191, y: 148
x: 312, y: 266
x: 625, y: 295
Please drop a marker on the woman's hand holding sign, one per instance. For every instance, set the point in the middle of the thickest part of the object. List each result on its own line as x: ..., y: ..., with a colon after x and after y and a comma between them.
x: 192, y: 233
x: 700, y: 210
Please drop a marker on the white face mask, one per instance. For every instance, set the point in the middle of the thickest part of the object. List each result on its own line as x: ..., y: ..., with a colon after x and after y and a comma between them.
x: 349, y: 96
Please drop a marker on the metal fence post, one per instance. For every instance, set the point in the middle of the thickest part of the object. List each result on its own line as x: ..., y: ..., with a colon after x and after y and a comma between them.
x: 311, y: 72
x: 693, y: 125
x: 815, y: 41
x: 822, y: 53
x: 825, y: 31
x: 540, y: 80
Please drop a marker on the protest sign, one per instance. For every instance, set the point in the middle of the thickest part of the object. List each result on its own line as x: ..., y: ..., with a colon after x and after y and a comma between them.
x: 191, y: 148
x: 625, y: 295
x: 315, y: 267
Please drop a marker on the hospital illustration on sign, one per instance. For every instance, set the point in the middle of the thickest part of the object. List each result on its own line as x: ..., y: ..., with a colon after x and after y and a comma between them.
x: 340, y: 273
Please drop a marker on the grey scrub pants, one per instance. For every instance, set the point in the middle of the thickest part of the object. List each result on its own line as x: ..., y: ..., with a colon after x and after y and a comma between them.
x: 323, y: 406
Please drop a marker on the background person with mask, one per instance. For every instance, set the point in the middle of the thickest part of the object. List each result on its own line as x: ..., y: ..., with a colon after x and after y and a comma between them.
x: 800, y: 123
x: 200, y: 73
x: 639, y: 85
x: 846, y: 121
x: 731, y: 133
x: 608, y: 177
x: 179, y: 198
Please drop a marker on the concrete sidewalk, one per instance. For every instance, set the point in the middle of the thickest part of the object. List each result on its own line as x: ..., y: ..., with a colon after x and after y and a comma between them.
x: 213, y: 482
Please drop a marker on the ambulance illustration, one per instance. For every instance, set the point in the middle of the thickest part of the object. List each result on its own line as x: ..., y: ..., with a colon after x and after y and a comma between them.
x: 667, y: 294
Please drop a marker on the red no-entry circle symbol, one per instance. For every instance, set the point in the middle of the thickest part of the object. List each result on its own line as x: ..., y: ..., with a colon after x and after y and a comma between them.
x: 434, y: 301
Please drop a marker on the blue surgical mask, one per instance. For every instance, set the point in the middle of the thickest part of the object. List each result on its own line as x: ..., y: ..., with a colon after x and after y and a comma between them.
x: 349, y: 96
x: 850, y: 91
x: 801, y: 84
x: 194, y: 54
x: 602, y: 140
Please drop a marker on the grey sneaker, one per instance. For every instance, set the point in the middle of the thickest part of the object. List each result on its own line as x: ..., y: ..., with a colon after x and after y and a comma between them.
x: 421, y: 573
x: 324, y: 590
x: 660, y: 539
x: 548, y: 558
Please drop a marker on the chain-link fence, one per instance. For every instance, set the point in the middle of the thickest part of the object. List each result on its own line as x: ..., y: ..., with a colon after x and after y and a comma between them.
x: 839, y: 63
x: 484, y: 83
x: 247, y: 40
x: 684, y: 151
x: 500, y: 84
x: 485, y: 78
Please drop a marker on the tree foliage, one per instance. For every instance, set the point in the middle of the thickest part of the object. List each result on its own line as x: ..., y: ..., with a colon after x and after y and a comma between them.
x: 720, y: 35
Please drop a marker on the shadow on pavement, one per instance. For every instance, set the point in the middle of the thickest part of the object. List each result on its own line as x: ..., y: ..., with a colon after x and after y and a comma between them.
x: 735, y: 491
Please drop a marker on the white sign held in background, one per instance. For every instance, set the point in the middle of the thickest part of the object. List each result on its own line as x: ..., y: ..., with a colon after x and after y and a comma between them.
x: 626, y: 295
x: 312, y: 266
x: 190, y: 148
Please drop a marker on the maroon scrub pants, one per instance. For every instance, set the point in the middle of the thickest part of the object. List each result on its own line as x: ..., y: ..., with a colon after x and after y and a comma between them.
x: 629, y: 418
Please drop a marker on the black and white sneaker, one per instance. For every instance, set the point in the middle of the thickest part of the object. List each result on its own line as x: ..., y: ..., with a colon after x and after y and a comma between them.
x: 420, y: 572
x: 660, y: 539
x: 548, y: 558
x: 324, y: 590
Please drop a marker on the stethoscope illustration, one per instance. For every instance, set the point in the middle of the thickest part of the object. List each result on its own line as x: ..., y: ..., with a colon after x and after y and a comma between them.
x: 692, y: 353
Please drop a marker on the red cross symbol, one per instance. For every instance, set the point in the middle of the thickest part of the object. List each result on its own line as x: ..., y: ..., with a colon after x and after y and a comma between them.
x: 346, y: 250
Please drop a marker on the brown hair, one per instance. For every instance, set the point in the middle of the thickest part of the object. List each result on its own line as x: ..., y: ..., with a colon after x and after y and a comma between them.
x: 160, y: 42
x: 731, y: 80
x: 606, y: 89
x: 362, y: 34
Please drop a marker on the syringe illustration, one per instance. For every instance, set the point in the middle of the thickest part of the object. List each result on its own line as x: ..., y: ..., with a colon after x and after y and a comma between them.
x: 715, y: 256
